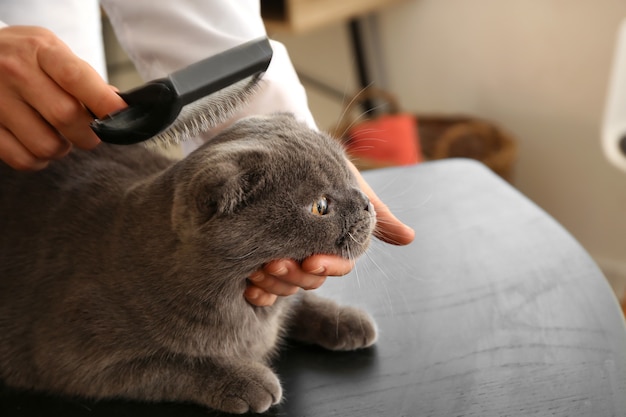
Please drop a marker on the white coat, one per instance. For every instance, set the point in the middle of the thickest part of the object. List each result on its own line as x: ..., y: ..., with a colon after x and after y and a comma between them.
x: 162, y: 36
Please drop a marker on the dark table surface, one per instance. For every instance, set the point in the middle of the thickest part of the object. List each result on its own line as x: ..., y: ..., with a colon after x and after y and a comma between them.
x: 494, y: 310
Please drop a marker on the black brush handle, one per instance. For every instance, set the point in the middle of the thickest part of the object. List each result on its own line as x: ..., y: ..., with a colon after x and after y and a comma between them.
x: 153, y: 106
x: 219, y: 71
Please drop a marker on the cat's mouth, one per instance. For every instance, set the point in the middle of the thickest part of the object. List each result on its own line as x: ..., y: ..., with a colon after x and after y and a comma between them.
x: 356, y: 240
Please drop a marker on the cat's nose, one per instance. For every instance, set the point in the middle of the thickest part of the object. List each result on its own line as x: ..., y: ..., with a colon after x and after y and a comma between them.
x: 367, y: 206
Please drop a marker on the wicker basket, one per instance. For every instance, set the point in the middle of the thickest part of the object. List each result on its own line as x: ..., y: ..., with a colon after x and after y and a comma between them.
x: 437, y: 136
x: 468, y: 137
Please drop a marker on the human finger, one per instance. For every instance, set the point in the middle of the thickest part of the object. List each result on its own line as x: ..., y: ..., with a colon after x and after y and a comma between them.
x: 39, y: 68
x: 389, y: 228
x: 259, y: 297
x: 14, y: 154
x: 79, y: 79
x: 291, y: 272
x: 327, y: 265
x: 31, y: 130
x: 280, y: 278
x: 272, y: 284
x: 62, y: 111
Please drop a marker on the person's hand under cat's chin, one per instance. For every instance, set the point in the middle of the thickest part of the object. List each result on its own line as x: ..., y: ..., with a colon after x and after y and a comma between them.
x: 284, y: 277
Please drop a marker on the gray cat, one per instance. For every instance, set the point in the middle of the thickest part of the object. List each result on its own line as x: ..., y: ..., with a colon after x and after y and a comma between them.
x: 122, y: 272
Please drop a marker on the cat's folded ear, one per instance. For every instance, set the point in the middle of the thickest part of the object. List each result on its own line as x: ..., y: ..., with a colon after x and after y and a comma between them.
x: 234, y: 190
x: 217, y: 189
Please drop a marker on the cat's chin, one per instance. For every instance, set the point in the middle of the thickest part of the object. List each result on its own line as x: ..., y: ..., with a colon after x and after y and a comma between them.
x: 355, y: 242
x: 354, y: 251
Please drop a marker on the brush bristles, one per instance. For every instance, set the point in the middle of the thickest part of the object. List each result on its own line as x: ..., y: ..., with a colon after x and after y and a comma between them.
x: 207, y: 113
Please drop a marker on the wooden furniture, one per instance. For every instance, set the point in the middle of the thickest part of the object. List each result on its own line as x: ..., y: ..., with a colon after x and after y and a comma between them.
x: 297, y: 16
x: 494, y: 310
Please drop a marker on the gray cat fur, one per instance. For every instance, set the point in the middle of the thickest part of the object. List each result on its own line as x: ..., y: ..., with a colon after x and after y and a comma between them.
x: 122, y: 272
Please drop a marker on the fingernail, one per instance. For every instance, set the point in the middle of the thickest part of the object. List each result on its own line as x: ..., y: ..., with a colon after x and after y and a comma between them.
x: 256, y: 276
x: 252, y: 294
x: 319, y: 271
x: 281, y: 271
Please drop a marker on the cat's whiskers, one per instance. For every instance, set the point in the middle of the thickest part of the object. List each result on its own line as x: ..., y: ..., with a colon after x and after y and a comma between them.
x: 366, y: 143
x: 380, y: 229
x: 351, y: 236
x: 402, y: 191
x: 348, y: 105
x: 363, y: 132
x: 364, y: 137
x: 420, y: 204
x: 347, y: 254
x: 379, y: 272
x: 382, y: 271
x: 390, y: 237
x: 356, y: 271
x: 359, y: 118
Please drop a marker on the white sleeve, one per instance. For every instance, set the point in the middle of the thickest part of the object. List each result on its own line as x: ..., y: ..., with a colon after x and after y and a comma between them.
x: 77, y: 23
x: 163, y: 36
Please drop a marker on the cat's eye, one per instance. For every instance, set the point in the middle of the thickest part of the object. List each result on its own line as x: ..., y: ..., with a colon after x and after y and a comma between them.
x: 320, y: 207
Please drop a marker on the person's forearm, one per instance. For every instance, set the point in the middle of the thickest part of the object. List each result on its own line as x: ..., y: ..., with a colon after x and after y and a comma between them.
x: 161, y: 37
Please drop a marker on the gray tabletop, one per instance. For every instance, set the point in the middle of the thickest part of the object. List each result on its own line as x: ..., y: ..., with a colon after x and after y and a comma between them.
x: 494, y: 310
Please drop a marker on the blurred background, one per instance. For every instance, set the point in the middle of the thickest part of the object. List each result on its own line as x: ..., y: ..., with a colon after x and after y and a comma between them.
x: 538, y: 69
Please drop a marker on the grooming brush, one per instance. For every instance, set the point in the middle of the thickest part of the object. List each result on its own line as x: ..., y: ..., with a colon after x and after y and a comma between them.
x: 189, y: 101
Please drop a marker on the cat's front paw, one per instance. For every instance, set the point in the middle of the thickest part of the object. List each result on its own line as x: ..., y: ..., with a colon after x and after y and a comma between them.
x: 252, y: 388
x: 350, y: 329
x: 323, y: 322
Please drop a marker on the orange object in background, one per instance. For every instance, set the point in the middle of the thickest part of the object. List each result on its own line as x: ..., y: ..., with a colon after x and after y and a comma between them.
x: 388, y: 140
